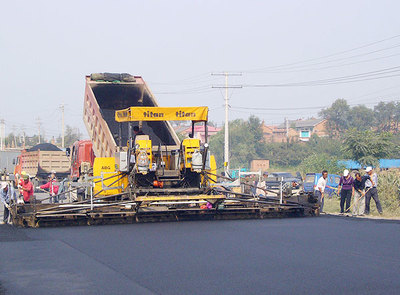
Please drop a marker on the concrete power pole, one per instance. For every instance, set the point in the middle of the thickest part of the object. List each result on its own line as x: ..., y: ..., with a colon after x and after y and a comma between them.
x: 39, y: 123
x: 62, y: 125
x: 15, y: 136
x: 23, y: 136
x: 226, y: 140
x: 287, y: 129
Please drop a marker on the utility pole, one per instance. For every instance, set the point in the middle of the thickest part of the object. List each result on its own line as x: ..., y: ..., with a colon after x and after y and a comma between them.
x: 62, y: 125
x: 39, y: 124
x: 23, y: 136
x: 287, y: 128
x: 15, y: 136
x: 226, y: 140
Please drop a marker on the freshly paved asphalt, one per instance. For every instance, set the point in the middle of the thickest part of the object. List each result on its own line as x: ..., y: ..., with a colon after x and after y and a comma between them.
x: 325, y: 255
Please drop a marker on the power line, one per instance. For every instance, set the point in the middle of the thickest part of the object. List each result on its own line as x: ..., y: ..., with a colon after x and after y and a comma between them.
x: 185, y: 82
x: 195, y: 77
x: 240, y: 108
x: 372, y: 75
x: 325, y: 56
x: 187, y: 90
x: 332, y: 66
x: 338, y: 59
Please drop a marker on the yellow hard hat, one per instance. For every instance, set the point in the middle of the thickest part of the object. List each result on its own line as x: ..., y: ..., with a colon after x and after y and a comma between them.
x: 23, y: 173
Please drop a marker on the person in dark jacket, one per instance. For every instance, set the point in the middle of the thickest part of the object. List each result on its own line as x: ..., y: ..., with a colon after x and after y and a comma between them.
x: 346, y: 190
x: 359, y: 195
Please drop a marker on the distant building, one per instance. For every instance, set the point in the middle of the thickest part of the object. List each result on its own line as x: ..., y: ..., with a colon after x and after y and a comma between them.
x: 295, y: 130
x: 199, y: 131
x: 274, y: 133
x: 259, y: 164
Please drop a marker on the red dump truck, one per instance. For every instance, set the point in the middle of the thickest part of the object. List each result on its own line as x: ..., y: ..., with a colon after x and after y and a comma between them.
x: 82, y: 158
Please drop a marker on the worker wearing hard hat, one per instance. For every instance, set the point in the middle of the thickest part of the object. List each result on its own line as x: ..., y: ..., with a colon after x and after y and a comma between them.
x: 371, y: 191
x: 51, y: 187
x: 26, y: 188
x: 7, y: 194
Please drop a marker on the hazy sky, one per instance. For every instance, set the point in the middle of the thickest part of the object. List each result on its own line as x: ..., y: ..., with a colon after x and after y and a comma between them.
x: 47, y: 47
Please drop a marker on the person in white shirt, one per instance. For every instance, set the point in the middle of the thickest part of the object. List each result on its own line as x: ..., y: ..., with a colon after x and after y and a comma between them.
x: 371, y: 191
x: 320, y: 189
x: 262, y: 185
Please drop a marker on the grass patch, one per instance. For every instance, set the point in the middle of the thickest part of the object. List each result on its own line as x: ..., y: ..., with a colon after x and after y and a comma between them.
x: 332, y: 205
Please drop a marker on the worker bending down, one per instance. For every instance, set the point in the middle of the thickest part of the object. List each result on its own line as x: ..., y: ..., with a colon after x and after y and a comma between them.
x: 7, y: 195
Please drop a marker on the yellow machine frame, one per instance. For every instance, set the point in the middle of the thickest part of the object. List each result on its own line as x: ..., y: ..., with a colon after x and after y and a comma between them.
x: 106, y: 167
x: 189, y: 146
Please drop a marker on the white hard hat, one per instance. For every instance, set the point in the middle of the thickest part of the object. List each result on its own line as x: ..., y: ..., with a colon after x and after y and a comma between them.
x: 345, y: 173
x: 369, y: 168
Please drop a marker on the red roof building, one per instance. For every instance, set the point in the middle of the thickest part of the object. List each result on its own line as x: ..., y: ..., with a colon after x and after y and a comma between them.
x: 199, y: 132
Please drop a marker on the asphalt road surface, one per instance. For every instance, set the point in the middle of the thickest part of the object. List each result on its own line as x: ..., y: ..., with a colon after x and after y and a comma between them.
x: 325, y: 255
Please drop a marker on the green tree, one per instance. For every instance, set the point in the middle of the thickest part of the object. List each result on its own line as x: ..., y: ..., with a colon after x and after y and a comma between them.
x: 319, y: 162
x: 367, y: 147
x: 338, y: 115
x: 254, y: 127
x: 385, y: 116
x: 246, y: 142
x: 71, y: 135
x: 325, y: 145
x: 361, y: 117
x: 286, y: 154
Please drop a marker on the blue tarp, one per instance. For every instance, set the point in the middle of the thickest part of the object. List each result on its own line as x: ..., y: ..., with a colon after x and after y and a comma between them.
x: 350, y: 164
x: 389, y: 163
x: 383, y: 163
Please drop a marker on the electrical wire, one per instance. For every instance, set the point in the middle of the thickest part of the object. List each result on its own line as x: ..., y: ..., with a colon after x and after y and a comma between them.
x: 371, y: 75
x: 197, y: 77
x: 322, y: 57
x: 332, y: 66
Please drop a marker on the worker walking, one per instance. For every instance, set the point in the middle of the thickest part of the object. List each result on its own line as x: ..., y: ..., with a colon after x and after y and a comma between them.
x: 346, y: 190
x: 371, y: 190
x: 320, y: 189
x: 359, y: 195
x: 7, y: 194
x: 51, y: 187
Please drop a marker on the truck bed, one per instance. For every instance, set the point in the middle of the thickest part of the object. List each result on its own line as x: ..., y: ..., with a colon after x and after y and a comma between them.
x: 103, y: 98
x: 41, y: 163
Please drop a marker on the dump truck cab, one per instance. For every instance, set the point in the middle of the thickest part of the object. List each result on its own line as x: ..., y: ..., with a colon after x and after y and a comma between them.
x: 82, y: 158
